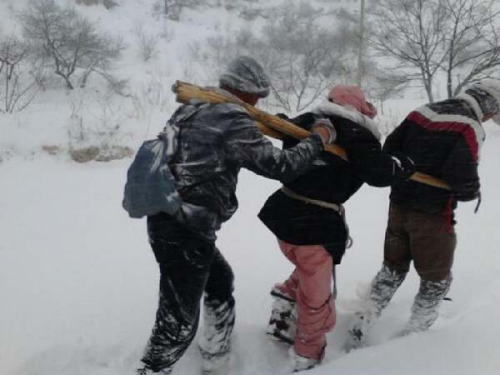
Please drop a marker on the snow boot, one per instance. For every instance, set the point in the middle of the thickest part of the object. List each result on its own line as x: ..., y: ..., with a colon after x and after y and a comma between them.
x: 383, y: 287
x: 425, y: 309
x: 282, y: 324
x: 215, y: 364
x: 301, y: 363
x: 215, y: 342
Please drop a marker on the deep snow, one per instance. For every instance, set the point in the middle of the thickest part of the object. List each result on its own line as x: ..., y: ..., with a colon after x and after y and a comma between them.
x: 78, y: 280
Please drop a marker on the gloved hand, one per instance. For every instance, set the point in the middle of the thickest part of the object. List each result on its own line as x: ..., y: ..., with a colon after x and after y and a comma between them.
x: 468, y: 191
x: 282, y: 116
x: 325, y: 129
x: 403, y: 166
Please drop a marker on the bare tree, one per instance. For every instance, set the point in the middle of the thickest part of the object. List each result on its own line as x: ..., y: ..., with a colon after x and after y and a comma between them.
x: 301, y: 56
x: 411, y: 32
x: 472, y: 45
x: 15, y: 93
x: 67, y: 40
x: 301, y: 52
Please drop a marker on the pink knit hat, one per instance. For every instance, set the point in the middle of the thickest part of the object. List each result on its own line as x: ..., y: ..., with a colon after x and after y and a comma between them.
x: 354, y: 97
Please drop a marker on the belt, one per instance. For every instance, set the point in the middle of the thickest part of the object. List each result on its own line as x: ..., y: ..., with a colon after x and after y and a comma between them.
x: 332, y: 206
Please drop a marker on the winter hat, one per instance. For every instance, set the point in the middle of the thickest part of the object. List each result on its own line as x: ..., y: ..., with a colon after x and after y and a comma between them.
x: 352, y: 96
x: 487, y: 94
x: 244, y: 74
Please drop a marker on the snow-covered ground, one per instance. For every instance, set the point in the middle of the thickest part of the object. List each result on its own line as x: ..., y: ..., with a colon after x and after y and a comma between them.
x: 78, y: 282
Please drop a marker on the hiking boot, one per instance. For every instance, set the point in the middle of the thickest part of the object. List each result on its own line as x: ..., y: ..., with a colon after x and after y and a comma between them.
x: 301, y: 363
x: 383, y: 287
x: 282, y: 324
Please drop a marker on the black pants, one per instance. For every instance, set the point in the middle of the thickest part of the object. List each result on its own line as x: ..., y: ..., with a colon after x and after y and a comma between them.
x: 189, y: 267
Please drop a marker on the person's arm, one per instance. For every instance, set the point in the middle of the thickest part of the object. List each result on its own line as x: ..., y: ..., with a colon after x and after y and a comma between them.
x: 375, y: 166
x: 246, y: 146
x: 394, y: 142
x: 460, y: 171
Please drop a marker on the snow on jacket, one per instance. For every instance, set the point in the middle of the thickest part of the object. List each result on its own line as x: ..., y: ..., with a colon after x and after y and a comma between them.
x: 217, y: 141
x: 443, y: 139
x: 331, y: 179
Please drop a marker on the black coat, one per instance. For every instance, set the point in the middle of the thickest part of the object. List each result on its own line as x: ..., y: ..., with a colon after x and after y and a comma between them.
x: 443, y: 140
x: 215, y: 142
x: 331, y: 179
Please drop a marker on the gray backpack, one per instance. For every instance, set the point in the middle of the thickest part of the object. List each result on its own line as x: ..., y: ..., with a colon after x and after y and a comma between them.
x: 151, y: 187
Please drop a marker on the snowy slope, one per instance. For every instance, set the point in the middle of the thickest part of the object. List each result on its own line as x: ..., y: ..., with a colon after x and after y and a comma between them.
x: 78, y: 281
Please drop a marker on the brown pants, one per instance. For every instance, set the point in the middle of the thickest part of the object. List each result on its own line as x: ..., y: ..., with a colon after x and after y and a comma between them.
x: 422, y: 237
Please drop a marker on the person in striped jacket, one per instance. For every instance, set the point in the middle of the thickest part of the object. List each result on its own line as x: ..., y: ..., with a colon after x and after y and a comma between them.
x: 444, y: 140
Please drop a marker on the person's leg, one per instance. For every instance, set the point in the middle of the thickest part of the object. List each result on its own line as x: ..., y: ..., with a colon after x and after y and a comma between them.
x: 287, y: 289
x: 282, y: 324
x: 397, y: 259
x: 433, y: 247
x: 315, y: 303
x: 218, y: 317
x: 184, y: 267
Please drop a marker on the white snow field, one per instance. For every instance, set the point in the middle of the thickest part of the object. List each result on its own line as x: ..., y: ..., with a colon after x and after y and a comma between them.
x: 78, y: 282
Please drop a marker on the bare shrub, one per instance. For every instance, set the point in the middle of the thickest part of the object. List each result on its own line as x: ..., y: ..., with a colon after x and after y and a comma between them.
x: 17, y: 87
x: 147, y: 43
x: 95, y: 129
x: 172, y: 8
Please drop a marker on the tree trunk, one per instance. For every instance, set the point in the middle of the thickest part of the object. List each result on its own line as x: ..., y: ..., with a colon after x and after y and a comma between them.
x: 359, y: 73
x: 428, y: 88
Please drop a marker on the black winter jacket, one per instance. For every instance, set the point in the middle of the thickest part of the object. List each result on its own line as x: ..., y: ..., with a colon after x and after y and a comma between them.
x: 215, y: 141
x: 443, y: 139
x: 331, y: 179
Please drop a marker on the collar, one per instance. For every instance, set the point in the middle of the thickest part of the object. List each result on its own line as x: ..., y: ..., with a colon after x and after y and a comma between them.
x: 331, y: 109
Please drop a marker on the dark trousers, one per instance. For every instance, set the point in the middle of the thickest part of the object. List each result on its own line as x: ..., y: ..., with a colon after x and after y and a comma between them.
x: 424, y: 238
x: 189, y: 267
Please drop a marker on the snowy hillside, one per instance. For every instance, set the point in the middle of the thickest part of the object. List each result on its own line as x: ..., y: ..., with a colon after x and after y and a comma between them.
x: 78, y: 280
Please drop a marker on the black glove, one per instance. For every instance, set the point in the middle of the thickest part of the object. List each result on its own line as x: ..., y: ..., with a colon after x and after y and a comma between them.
x: 403, y: 166
x: 282, y: 116
x: 468, y: 191
x: 324, y: 123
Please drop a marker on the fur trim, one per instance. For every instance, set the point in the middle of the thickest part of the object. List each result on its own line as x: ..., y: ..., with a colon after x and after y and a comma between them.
x: 331, y: 109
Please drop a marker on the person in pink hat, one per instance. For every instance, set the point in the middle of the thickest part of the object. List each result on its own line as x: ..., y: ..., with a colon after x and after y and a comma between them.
x: 308, y: 219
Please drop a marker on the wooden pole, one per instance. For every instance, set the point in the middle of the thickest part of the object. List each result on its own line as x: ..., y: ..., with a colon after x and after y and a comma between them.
x: 273, y: 126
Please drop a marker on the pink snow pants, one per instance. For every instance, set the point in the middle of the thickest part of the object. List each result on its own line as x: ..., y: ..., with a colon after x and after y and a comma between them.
x: 310, y: 285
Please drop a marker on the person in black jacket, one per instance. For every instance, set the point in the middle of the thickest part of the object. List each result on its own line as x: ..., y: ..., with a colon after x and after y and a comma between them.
x: 214, y: 142
x: 443, y: 139
x: 307, y: 217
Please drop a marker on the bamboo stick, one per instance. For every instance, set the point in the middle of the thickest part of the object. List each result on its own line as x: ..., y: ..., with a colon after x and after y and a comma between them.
x: 274, y: 126
x: 265, y: 122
